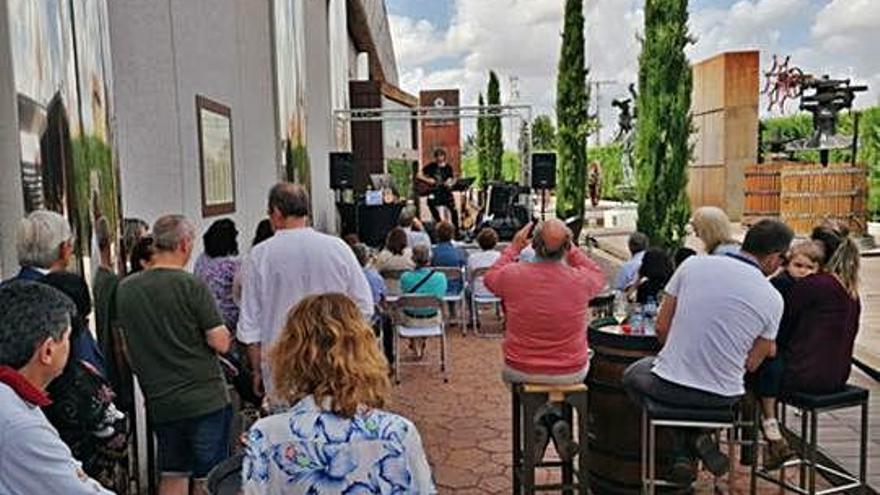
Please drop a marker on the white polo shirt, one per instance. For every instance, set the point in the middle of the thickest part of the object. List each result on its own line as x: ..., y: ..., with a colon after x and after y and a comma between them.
x: 723, y: 304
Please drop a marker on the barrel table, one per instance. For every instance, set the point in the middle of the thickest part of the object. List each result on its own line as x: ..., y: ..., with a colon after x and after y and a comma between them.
x: 614, y: 449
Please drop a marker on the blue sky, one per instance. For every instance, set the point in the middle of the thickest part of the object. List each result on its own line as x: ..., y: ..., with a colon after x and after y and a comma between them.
x: 454, y: 43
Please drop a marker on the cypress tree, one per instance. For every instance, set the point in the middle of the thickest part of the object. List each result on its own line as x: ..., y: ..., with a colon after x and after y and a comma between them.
x: 494, y: 141
x: 664, y: 126
x: 543, y: 133
x: 571, y: 115
x: 482, y: 160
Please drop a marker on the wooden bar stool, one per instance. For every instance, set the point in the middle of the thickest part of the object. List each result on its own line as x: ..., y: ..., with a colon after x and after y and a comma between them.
x: 527, y: 401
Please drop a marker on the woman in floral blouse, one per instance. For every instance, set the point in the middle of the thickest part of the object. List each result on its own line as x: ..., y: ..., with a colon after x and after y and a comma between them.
x: 218, y: 265
x: 335, y: 438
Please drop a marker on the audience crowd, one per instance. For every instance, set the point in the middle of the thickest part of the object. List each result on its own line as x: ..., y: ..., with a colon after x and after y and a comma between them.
x: 300, y: 328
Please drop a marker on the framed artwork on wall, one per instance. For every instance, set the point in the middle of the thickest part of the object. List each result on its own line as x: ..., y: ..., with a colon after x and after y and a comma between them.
x: 216, y: 164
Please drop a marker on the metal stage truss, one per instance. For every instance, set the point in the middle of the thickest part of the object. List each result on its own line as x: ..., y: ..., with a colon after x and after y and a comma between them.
x: 521, y: 112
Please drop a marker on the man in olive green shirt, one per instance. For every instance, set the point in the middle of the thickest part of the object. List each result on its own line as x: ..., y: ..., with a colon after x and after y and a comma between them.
x: 173, y: 331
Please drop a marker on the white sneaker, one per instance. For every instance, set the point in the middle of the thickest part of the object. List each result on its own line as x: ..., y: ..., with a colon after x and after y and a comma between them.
x: 771, y: 429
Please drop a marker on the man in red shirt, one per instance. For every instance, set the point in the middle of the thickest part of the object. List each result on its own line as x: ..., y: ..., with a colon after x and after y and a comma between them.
x: 546, y: 309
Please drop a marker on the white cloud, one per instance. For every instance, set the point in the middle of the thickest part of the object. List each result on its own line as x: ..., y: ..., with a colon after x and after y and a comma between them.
x: 515, y: 38
x: 522, y: 38
x: 852, y: 17
x: 417, y: 41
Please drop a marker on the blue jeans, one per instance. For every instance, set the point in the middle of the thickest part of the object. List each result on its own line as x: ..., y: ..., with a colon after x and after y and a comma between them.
x: 193, y: 446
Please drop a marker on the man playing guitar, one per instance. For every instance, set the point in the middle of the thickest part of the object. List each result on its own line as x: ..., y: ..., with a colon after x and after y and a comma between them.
x: 438, y: 176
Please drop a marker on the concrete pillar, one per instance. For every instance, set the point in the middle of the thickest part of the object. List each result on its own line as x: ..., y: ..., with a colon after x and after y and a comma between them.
x: 319, y: 119
x: 11, y: 196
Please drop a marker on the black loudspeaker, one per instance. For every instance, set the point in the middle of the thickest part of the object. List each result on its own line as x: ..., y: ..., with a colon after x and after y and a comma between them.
x: 341, y: 171
x: 543, y: 170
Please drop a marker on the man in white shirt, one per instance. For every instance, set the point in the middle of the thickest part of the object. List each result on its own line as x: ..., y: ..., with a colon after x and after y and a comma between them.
x: 296, y: 262
x: 628, y: 274
x: 719, y: 318
x: 487, y: 239
x: 35, y: 332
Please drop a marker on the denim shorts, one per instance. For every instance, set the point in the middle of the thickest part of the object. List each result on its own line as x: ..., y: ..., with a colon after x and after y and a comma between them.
x: 193, y: 446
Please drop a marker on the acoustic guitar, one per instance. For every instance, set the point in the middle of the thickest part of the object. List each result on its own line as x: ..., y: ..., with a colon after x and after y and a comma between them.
x: 425, y: 188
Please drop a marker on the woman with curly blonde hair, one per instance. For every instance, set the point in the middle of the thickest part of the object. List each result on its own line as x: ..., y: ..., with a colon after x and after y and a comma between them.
x: 334, y: 438
x: 712, y: 226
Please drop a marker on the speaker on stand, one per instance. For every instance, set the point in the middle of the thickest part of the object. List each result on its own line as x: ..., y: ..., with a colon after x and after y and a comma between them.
x: 341, y: 171
x: 543, y: 175
x: 342, y: 184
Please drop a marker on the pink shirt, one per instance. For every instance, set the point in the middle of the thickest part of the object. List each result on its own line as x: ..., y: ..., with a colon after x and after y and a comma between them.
x: 546, y: 308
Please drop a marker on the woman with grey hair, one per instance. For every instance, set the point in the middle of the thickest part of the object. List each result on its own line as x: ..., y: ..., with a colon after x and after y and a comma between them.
x: 44, y: 244
x: 423, y: 281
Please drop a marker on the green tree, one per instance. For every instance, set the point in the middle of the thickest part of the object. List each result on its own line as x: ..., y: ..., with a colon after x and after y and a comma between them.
x: 662, y: 150
x: 571, y: 113
x: 482, y: 160
x: 543, y: 133
x: 494, y: 140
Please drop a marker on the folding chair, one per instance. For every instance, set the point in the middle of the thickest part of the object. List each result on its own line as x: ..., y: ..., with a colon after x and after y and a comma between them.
x: 392, y: 283
x: 478, y: 299
x: 452, y: 274
x: 420, y: 301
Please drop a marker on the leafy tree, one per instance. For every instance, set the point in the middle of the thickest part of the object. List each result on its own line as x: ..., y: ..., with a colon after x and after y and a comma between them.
x: 543, y: 133
x: 494, y: 140
x: 571, y: 113
x: 662, y: 150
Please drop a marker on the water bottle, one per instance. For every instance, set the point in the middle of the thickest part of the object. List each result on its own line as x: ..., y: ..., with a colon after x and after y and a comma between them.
x: 649, y: 327
x: 637, y: 323
x: 650, y: 311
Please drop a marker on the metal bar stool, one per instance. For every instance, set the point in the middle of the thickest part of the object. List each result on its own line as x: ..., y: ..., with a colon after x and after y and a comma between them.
x: 655, y: 414
x: 527, y: 400
x: 810, y: 406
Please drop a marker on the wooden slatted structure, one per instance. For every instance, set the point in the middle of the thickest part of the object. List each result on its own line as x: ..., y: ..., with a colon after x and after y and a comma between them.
x: 804, y: 195
x: 762, y: 185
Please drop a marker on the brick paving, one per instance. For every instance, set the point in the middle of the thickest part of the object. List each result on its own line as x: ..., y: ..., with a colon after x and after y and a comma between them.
x: 466, y: 424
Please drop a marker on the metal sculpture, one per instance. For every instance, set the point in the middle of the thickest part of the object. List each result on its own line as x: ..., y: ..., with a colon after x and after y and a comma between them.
x: 626, y: 134
x: 828, y: 98
x: 783, y: 83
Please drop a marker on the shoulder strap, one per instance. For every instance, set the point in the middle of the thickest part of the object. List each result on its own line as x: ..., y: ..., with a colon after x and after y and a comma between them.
x: 421, y: 282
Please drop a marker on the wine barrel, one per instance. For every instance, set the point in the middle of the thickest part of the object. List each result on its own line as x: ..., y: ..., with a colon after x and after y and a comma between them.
x: 614, y: 453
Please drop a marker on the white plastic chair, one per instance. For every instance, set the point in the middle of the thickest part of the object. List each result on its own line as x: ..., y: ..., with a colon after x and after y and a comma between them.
x: 392, y: 283
x: 478, y: 299
x: 420, y: 301
x: 455, y: 273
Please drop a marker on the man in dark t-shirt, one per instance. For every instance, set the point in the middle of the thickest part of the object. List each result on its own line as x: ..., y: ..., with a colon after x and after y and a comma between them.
x: 439, y: 174
x: 173, y: 332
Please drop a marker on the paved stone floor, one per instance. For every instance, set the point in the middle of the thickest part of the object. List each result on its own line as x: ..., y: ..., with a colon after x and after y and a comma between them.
x: 465, y: 424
